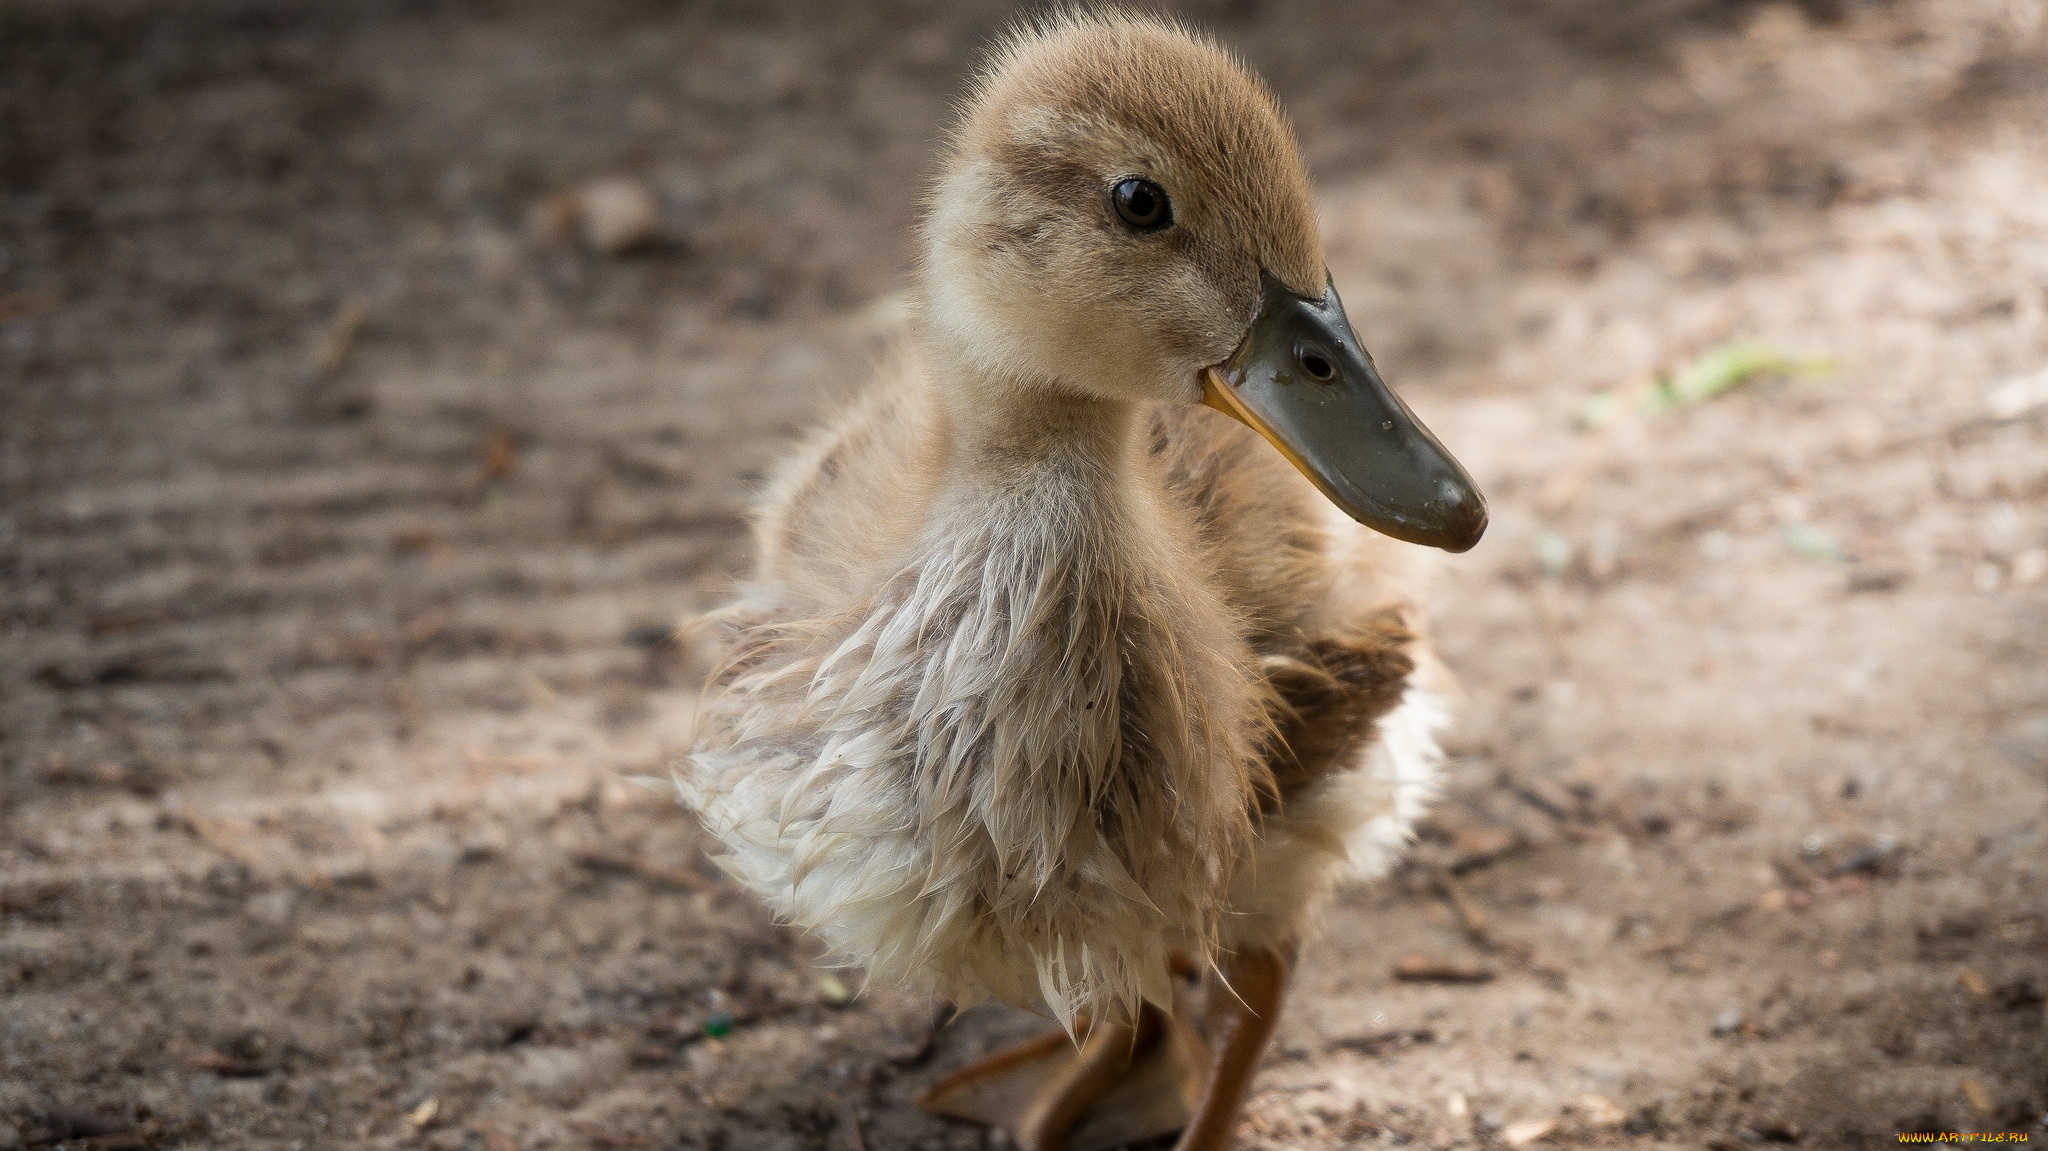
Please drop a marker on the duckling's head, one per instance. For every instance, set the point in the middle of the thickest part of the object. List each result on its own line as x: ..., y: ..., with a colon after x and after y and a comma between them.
x: 1125, y: 217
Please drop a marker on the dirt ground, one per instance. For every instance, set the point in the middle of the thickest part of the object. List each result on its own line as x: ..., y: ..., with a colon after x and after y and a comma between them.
x: 346, y: 503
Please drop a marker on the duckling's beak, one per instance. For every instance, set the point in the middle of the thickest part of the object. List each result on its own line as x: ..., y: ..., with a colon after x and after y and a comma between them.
x: 1302, y: 380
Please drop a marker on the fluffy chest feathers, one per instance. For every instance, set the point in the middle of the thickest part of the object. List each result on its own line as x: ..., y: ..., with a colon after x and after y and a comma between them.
x: 1019, y: 763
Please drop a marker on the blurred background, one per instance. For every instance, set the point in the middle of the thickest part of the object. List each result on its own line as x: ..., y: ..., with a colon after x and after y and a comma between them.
x: 380, y: 382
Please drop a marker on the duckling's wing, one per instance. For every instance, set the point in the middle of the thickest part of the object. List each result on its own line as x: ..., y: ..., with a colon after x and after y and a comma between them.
x: 1260, y: 523
x: 1291, y: 564
x: 1354, y: 694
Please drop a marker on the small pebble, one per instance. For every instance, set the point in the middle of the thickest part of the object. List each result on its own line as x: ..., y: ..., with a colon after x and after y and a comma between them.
x: 424, y: 1114
x: 611, y: 217
x: 1599, y: 1112
x: 833, y: 990
x: 1527, y: 1131
x: 1421, y: 968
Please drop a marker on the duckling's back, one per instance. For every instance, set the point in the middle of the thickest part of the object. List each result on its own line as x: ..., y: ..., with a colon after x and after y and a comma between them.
x: 842, y: 506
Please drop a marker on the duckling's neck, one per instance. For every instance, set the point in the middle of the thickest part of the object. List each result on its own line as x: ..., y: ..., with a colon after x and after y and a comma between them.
x: 1034, y: 440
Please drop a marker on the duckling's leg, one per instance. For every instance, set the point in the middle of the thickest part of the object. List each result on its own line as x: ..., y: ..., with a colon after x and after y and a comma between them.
x: 1119, y: 1087
x: 1241, y: 1017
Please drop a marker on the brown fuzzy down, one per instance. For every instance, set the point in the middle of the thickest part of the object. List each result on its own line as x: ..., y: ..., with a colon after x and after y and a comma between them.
x: 1031, y: 635
x: 1029, y: 274
x: 1326, y: 698
x: 1188, y: 104
x: 1017, y: 764
x: 1261, y: 524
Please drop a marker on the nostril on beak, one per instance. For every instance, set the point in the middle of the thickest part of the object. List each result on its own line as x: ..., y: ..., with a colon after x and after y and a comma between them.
x: 1318, y: 366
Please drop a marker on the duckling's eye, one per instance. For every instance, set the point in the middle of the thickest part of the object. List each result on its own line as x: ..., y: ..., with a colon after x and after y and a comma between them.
x: 1142, y: 204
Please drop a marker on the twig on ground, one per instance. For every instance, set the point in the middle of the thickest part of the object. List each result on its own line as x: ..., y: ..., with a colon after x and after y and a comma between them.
x: 640, y: 867
x: 1380, y: 1042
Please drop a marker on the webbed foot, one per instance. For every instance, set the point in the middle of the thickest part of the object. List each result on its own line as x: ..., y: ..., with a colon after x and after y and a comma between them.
x: 1123, y: 1083
x: 1129, y: 1082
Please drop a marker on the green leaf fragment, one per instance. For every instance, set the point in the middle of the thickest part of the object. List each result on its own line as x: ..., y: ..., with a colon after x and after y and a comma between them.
x: 1713, y: 372
x: 1727, y: 367
x: 1812, y: 543
x: 1599, y: 409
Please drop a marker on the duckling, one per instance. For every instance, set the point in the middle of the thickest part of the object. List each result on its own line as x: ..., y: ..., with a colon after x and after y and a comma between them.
x: 1055, y: 682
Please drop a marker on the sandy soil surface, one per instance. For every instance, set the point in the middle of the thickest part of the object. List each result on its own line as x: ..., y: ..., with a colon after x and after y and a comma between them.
x: 347, y: 497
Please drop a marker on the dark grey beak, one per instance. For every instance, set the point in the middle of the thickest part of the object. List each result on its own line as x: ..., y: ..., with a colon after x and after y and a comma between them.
x: 1301, y: 379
